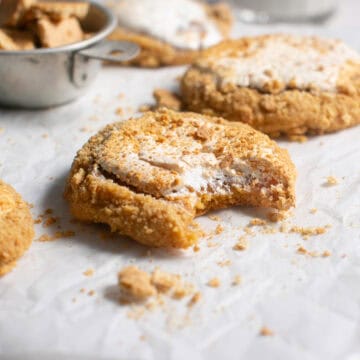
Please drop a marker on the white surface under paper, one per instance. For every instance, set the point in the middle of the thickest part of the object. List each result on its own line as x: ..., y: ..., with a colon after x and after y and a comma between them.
x: 311, y: 304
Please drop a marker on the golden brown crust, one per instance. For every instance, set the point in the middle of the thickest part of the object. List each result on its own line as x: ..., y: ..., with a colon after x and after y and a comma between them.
x: 289, y: 112
x: 133, y: 203
x: 156, y: 53
x: 16, y: 227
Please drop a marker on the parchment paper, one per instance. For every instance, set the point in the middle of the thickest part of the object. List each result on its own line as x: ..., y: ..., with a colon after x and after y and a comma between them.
x: 311, y: 304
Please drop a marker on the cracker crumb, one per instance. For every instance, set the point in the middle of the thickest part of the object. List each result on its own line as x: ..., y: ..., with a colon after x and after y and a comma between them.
x: 135, y: 284
x: 119, y: 111
x: 44, y: 238
x: 219, y: 229
x: 194, y: 299
x: 326, y: 253
x: 242, y: 244
x: 237, y: 280
x: 301, y: 250
x: 331, y: 181
x: 179, y: 293
x: 196, y: 248
x: 214, y: 282
x: 278, y: 215
x: 298, y: 138
x: 248, y: 231
x: 89, y: 272
x: 224, y: 263
x: 307, y: 232
x: 257, y: 222
x: 163, y: 281
x: 313, y: 210
x: 214, y: 217
x: 265, y: 331
x: 50, y: 221
x: 211, y: 244
x: 91, y: 293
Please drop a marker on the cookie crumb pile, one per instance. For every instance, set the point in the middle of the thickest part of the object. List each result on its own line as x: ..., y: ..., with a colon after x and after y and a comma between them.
x: 137, y: 285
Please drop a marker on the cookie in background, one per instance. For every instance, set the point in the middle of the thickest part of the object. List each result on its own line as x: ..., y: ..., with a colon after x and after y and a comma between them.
x: 170, y: 32
x: 279, y: 84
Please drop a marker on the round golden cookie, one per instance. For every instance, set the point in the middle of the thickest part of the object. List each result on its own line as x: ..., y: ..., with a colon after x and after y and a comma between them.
x: 149, y: 177
x: 156, y: 52
x: 279, y: 84
x: 16, y: 227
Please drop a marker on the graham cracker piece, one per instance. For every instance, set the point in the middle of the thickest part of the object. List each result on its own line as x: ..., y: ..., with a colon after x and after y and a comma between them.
x: 6, y: 42
x: 60, y: 10
x: 16, y: 40
x: 12, y: 11
x: 64, y: 32
x: 135, y: 284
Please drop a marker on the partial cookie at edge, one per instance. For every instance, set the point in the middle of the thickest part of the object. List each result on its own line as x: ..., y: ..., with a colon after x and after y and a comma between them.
x: 16, y: 227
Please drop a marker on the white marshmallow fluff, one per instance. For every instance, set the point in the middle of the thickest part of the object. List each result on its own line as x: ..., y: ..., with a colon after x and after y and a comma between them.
x: 293, y: 61
x: 182, y: 23
x: 198, y: 170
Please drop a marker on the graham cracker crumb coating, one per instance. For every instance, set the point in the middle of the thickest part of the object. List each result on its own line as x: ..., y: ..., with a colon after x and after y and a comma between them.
x: 149, y: 177
x: 16, y: 227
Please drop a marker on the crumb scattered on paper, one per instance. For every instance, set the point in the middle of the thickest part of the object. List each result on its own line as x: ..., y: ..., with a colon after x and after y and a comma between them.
x: 298, y: 138
x: 278, y: 215
x: 242, y: 244
x: 331, y: 181
x: 194, y: 299
x: 137, y: 285
x: 214, y: 282
x: 265, y: 331
x: 257, y: 222
x: 57, y: 235
x: 89, y: 272
x: 219, y: 229
x: 303, y: 251
x: 224, y: 263
x: 214, y: 217
x: 237, y: 280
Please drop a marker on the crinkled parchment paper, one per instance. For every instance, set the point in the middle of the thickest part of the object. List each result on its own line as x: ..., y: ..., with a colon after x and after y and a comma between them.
x: 312, y: 304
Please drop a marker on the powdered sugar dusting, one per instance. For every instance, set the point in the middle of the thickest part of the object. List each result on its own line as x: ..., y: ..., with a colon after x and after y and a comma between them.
x: 278, y: 62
